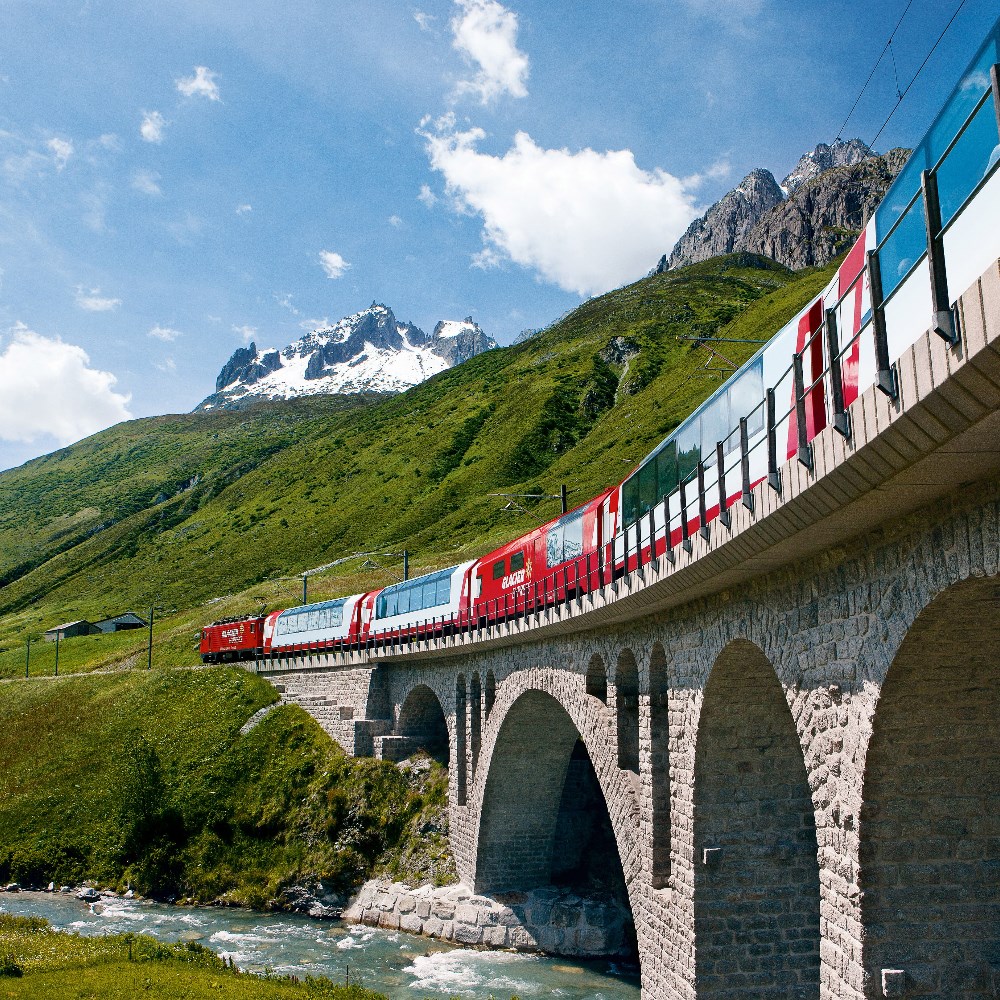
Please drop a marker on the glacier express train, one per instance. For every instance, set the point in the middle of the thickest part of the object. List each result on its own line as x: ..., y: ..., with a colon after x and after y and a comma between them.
x: 934, y: 234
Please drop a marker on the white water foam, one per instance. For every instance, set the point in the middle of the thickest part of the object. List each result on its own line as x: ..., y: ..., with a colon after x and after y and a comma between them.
x: 468, y: 973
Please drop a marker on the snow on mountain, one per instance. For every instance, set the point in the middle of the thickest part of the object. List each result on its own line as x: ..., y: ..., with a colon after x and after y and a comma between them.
x: 369, y: 351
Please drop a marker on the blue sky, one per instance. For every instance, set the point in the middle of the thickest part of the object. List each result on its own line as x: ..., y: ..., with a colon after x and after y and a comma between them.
x: 181, y: 176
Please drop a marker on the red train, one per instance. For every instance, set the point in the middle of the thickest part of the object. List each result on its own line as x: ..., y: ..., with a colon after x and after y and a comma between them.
x: 890, y: 285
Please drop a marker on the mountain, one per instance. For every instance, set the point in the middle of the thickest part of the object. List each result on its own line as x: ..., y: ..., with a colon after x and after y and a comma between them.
x: 823, y: 158
x: 823, y: 216
x: 719, y: 230
x: 370, y: 351
x: 210, y: 514
x: 811, y: 217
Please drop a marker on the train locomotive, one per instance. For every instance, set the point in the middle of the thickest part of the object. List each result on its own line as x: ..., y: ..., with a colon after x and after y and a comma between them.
x: 943, y: 206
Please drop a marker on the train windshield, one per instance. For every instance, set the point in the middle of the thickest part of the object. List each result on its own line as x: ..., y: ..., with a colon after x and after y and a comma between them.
x: 431, y: 591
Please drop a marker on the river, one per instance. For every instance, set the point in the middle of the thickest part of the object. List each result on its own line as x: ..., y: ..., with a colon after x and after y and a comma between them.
x: 402, y: 966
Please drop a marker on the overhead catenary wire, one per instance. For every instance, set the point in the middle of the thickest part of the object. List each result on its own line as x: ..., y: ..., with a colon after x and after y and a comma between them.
x: 861, y: 93
x: 920, y: 69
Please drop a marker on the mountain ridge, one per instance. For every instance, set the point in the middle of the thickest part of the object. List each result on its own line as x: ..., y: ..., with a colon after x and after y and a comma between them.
x: 368, y: 351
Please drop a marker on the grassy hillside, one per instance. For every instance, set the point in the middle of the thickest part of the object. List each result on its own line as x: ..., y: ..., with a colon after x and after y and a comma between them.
x: 213, y: 514
x: 144, y: 777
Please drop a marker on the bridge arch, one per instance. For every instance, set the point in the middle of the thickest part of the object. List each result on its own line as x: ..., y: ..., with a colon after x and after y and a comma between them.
x: 422, y: 722
x: 659, y: 764
x: 539, y: 718
x: 930, y: 815
x: 756, y: 866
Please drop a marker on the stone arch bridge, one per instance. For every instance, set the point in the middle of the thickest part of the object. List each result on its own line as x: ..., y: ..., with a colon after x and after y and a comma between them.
x: 785, y: 745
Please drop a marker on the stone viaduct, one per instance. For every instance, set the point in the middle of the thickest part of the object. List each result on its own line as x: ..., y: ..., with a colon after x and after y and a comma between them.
x: 792, y: 732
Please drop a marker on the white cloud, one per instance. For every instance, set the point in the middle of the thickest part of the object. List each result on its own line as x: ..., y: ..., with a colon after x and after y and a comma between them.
x: 61, y: 149
x: 168, y: 366
x: 285, y: 301
x: 202, y: 84
x: 109, y: 141
x: 164, y: 333
x: 395, y: 221
x: 153, y: 124
x: 244, y: 209
x: 47, y: 387
x: 147, y: 182
x: 246, y: 333
x: 93, y: 301
x: 427, y: 196
x: 485, y: 32
x: 424, y: 20
x: 333, y: 263
x: 586, y: 221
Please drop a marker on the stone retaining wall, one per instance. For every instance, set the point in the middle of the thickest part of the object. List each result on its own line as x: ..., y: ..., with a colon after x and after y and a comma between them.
x: 544, y: 920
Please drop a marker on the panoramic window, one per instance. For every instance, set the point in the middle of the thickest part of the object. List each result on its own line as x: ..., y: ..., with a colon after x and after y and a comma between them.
x: 564, y: 540
x: 429, y: 591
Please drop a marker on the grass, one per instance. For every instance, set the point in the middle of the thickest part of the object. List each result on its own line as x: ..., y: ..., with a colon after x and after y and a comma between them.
x: 39, y: 963
x: 213, y: 514
x: 143, y: 777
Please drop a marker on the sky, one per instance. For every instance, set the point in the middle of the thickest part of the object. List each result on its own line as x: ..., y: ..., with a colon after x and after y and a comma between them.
x: 179, y: 178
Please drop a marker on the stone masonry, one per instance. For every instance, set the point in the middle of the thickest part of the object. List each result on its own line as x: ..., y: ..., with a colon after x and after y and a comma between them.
x: 792, y: 728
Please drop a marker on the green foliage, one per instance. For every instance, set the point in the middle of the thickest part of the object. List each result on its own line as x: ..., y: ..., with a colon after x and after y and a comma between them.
x: 191, y: 808
x: 212, y: 514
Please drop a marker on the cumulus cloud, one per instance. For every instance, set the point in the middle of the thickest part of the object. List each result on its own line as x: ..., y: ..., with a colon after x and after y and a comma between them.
x: 93, y: 301
x: 485, y: 33
x: 47, y: 387
x: 61, y: 149
x: 168, y: 366
x: 333, y: 264
x: 164, y: 333
x: 153, y: 124
x: 424, y: 20
x: 427, y: 196
x: 395, y: 221
x: 147, y: 182
x: 202, y: 84
x: 584, y: 220
x: 244, y: 209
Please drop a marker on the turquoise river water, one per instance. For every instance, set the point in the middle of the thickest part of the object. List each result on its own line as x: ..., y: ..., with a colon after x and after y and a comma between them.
x: 403, y: 966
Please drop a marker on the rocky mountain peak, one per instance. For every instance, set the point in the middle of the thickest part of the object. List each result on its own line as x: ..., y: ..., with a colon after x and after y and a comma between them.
x: 368, y: 351
x: 826, y: 157
x: 810, y: 218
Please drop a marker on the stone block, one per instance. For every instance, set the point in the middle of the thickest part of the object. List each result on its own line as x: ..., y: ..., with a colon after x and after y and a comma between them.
x: 467, y: 914
x: 411, y: 923
x: 467, y: 933
x: 495, y: 937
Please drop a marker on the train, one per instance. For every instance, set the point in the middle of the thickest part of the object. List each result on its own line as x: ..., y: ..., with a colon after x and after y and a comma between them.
x: 891, y: 284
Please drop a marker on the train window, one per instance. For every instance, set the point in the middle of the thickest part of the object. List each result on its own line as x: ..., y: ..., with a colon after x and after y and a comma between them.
x: 564, y: 540
x: 666, y: 470
x: 688, y: 449
x: 498, y: 568
x: 516, y: 562
x: 745, y: 397
x: 573, y: 540
x: 647, y: 487
x: 429, y: 594
x: 312, y: 621
x: 630, y: 500
x: 444, y: 589
x: 714, y: 426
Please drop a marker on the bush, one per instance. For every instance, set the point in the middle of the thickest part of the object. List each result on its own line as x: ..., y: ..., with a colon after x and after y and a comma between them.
x: 10, y: 968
